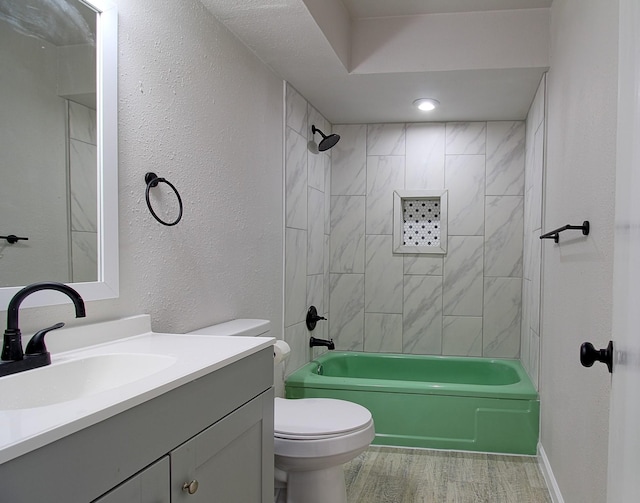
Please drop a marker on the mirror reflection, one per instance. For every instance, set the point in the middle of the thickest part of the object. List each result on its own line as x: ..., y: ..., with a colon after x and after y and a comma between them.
x: 48, y: 142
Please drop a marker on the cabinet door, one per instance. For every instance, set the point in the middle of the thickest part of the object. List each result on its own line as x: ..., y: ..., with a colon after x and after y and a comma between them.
x: 232, y: 461
x: 151, y: 485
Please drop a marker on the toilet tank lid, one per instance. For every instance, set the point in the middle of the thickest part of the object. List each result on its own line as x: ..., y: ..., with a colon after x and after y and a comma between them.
x: 246, y: 327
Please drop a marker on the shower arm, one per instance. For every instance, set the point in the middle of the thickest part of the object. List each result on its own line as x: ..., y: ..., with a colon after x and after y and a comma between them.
x: 315, y: 130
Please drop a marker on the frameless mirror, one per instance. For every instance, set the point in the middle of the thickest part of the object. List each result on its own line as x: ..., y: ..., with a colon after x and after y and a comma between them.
x: 58, y: 147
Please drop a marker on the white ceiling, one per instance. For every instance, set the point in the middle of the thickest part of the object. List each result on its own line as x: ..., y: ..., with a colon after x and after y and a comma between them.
x: 365, y: 61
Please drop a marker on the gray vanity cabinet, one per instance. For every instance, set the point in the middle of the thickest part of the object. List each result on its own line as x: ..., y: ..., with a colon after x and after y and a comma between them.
x: 151, y: 485
x: 223, y: 461
x: 217, y: 429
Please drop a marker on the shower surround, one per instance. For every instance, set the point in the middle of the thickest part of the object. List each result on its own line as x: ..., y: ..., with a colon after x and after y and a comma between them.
x: 467, y: 303
x: 307, y: 204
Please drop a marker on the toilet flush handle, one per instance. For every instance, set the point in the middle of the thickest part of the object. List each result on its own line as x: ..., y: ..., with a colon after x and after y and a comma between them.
x: 190, y: 487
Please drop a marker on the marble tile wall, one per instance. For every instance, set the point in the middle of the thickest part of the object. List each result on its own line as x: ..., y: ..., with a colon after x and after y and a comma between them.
x: 465, y: 303
x: 532, y: 256
x: 338, y: 205
x: 83, y: 192
x: 307, y: 225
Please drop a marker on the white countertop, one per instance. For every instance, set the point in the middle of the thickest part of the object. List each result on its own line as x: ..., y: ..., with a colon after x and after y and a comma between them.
x: 26, y: 429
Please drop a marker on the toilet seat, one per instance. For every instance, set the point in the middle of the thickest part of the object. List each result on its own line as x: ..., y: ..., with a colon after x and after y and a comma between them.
x: 318, y: 418
x: 320, y: 428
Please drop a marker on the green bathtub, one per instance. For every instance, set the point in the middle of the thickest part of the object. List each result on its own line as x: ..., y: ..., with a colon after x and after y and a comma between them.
x: 438, y: 402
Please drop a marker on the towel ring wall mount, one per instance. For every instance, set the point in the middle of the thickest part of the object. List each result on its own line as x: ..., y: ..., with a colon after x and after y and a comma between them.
x: 152, y: 180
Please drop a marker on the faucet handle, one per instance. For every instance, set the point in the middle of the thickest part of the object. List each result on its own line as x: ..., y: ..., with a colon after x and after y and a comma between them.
x: 313, y: 318
x: 36, y: 345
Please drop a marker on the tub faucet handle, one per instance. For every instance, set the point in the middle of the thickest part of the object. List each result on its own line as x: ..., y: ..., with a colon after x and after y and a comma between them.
x: 313, y: 318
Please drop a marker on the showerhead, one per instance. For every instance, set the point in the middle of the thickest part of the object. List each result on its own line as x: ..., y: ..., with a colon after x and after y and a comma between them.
x: 327, y: 141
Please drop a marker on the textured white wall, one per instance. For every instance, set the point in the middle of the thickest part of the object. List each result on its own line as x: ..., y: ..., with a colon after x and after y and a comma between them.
x: 201, y: 110
x: 577, y: 273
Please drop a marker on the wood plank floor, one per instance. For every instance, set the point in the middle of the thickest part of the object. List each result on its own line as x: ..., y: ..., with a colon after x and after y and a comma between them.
x: 393, y: 475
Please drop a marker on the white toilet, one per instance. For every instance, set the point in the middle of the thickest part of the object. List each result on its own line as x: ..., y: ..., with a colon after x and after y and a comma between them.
x: 313, y: 437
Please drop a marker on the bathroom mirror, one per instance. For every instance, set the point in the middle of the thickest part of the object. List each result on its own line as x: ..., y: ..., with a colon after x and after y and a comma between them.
x: 58, y: 148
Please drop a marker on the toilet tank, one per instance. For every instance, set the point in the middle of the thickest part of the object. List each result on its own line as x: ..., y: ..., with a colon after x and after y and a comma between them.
x: 249, y: 328
x: 246, y: 327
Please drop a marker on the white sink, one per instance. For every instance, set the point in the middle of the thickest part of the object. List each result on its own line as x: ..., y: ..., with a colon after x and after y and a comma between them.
x: 101, y: 370
x: 77, y: 378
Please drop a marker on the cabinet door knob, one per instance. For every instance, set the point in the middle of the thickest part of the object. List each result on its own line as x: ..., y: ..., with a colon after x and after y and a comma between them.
x: 190, y: 487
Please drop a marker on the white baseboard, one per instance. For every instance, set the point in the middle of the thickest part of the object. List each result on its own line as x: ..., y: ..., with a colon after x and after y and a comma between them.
x: 549, y: 478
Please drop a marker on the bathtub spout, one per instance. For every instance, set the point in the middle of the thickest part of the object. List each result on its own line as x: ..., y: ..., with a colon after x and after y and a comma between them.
x: 313, y: 342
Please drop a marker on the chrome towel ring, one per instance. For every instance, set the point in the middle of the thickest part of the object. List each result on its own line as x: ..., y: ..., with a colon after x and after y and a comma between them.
x: 152, y: 180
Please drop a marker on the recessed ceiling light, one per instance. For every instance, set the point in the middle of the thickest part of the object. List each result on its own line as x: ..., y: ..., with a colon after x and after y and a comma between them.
x: 426, y: 104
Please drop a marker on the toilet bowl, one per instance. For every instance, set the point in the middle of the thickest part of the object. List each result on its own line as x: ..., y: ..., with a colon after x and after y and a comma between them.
x: 313, y: 437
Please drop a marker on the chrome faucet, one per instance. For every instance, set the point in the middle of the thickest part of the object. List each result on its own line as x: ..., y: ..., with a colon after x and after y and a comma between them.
x: 13, y: 359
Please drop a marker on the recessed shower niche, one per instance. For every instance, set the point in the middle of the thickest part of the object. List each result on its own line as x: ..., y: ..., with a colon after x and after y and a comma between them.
x: 420, y: 221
